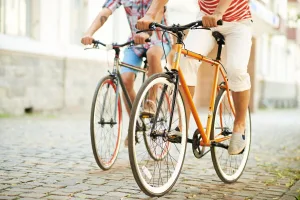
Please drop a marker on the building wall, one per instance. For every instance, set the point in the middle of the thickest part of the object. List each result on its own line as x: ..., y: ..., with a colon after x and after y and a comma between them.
x: 30, y: 81
x: 43, y: 65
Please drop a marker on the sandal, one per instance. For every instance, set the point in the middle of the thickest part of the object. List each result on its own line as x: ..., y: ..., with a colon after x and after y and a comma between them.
x: 149, y: 109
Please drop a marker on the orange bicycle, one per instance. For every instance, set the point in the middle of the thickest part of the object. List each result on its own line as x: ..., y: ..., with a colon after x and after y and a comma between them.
x: 157, y: 175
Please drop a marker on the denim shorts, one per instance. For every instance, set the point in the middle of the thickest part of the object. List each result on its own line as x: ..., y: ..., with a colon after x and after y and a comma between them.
x: 132, y: 59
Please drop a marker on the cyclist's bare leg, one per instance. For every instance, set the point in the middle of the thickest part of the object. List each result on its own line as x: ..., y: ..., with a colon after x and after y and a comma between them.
x: 241, y: 102
x: 237, y: 141
x: 154, y: 55
x: 128, y: 80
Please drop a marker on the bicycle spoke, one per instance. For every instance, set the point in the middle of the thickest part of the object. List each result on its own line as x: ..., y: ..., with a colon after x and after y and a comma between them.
x: 228, y: 167
x: 105, y: 136
x: 158, y: 159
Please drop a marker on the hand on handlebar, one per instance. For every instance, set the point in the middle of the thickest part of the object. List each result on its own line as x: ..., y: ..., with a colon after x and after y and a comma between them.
x: 144, y: 22
x: 209, y: 21
x: 141, y: 38
x: 87, y: 40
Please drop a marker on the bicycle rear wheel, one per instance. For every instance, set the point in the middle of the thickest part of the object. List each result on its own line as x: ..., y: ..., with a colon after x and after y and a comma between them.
x: 228, y: 167
x: 105, y: 123
x: 156, y: 163
x: 165, y: 109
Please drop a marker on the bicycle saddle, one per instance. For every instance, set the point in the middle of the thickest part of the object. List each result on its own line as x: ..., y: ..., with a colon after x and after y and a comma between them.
x: 219, y: 37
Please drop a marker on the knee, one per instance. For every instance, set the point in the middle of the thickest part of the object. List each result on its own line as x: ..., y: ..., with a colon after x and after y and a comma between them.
x: 154, y: 55
x: 128, y: 82
x: 239, y: 79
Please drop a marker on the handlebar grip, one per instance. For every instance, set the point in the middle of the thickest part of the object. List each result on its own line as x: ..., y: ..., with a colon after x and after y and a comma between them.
x: 148, y: 40
x: 220, y: 22
x: 152, y: 25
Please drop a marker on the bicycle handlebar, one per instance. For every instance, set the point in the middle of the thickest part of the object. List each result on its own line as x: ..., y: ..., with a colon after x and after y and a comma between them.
x: 175, y: 28
x: 113, y: 46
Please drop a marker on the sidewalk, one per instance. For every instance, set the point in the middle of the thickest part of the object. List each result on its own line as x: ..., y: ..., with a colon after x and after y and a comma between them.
x: 50, y: 157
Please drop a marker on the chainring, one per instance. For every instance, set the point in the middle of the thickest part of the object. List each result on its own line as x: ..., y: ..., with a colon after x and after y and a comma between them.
x: 198, y: 151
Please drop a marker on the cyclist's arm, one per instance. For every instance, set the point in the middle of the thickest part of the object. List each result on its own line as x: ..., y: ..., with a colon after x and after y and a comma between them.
x: 159, y: 16
x: 155, y: 6
x: 211, y: 20
x: 101, y: 18
x: 222, y: 7
x: 152, y: 14
x: 141, y: 37
x: 99, y: 21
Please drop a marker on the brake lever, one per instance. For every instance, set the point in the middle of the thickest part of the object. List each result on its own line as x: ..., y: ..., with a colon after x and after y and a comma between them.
x: 95, y: 46
x: 89, y: 48
x: 201, y: 28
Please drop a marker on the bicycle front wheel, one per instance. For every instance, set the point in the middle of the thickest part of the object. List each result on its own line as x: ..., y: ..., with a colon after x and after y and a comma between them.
x: 105, y: 123
x: 156, y: 163
x: 166, y: 108
x: 228, y: 167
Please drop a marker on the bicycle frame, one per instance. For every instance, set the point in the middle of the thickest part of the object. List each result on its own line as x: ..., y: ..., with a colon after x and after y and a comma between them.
x: 218, y: 68
x: 117, y: 77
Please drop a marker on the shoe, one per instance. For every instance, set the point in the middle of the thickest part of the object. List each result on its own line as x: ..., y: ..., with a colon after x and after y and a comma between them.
x: 149, y: 109
x: 175, y: 135
x: 237, y: 143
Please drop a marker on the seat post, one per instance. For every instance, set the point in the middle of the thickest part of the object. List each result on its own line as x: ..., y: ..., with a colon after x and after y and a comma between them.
x: 220, y: 41
x: 219, y: 52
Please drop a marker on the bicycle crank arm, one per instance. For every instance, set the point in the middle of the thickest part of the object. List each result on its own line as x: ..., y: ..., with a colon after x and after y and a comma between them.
x: 217, y: 144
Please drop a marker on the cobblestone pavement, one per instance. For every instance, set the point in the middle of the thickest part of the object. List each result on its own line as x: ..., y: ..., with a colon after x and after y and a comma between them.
x: 50, y: 157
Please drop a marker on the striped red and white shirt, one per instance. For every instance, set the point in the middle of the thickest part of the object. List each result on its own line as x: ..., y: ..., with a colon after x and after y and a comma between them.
x: 238, y: 9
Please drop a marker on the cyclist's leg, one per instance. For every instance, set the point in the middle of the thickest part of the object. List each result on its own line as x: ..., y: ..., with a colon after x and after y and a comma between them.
x: 199, y: 41
x: 128, y: 75
x: 154, y: 55
x: 238, y: 47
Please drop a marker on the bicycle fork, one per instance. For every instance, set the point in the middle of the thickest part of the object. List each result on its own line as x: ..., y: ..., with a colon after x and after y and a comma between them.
x: 165, y: 87
x: 113, y: 121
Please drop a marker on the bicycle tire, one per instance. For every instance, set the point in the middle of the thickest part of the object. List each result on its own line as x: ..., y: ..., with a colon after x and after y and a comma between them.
x: 141, y: 170
x: 224, y: 172
x: 148, y: 146
x: 106, y: 159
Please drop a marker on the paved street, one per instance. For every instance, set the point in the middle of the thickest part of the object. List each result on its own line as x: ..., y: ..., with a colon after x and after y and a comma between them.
x: 50, y: 157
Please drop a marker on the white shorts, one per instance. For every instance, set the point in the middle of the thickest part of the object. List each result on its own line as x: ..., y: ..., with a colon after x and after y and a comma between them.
x: 236, y: 55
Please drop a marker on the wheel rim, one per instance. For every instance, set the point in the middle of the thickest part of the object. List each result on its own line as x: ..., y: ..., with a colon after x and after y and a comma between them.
x: 158, y: 155
x: 146, y: 169
x: 230, y: 166
x: 107, y: 137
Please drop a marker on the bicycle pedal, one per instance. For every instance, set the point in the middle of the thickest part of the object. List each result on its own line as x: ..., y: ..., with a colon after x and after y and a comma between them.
x: 174, y: 139
x: 190, y: 140
x: 146, y: 116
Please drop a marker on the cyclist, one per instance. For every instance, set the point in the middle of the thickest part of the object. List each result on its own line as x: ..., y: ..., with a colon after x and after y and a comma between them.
x: 237, y: 32
x: 154, y: 50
